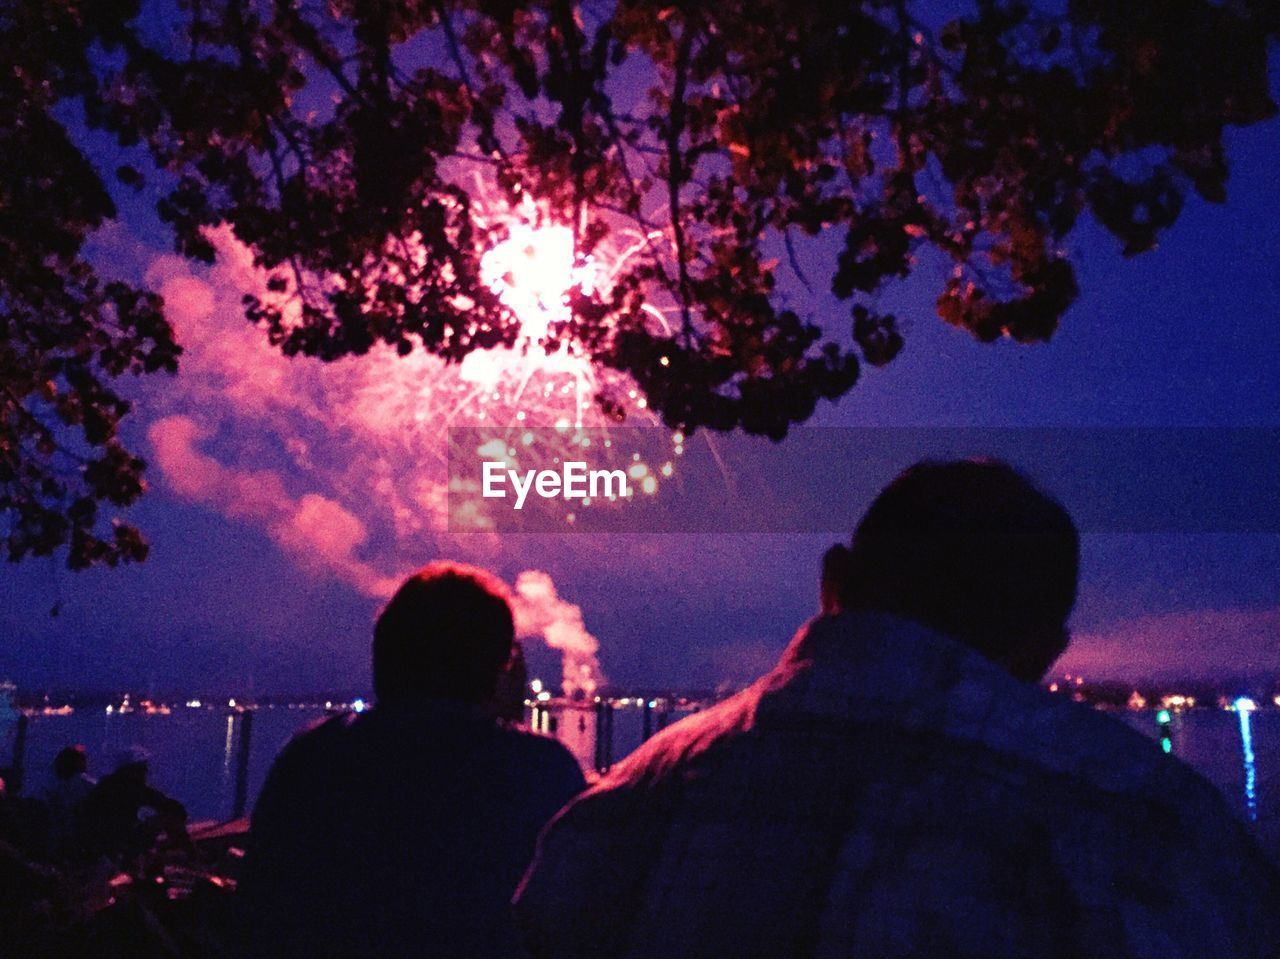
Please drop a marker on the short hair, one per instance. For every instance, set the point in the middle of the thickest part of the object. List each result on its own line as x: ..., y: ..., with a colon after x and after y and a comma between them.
x: 972, y: 549
x: 70, y: 761
x: 446, y: 633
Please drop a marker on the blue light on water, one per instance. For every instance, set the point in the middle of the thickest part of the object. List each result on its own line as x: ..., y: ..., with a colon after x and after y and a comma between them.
x: 1163, y: 720
x: 1244, y: 709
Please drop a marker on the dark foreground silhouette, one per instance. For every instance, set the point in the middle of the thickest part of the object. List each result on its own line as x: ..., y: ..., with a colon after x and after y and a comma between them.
x: 404, y: 831
x: 898, y: 786
x: 99, y: 870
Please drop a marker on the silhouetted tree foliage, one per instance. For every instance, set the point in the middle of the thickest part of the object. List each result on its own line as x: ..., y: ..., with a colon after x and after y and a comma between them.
x: 352, y: 145
x: 65, y: 331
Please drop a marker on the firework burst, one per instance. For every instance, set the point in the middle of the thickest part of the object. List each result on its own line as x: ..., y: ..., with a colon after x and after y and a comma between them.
x: 535, y: 402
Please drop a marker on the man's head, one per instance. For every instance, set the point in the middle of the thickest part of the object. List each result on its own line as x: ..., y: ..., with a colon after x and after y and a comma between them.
x: 133, y: 764
x: 447, y: 633
x: 71, y: 761
x: 971, y: 549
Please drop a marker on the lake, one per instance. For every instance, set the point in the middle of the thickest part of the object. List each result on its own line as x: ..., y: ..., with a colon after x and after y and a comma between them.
x: 195, y: 750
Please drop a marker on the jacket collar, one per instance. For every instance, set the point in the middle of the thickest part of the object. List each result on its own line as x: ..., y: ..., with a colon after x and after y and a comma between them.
x: 870, y: 667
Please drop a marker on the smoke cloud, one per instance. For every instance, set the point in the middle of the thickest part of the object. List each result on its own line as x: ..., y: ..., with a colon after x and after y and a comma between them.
x: 343, y: 464
x: 540, y: 611
x: 318, y: 534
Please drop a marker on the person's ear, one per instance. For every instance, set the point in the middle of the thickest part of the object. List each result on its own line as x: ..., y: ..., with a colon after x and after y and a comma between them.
x: 853, y: 578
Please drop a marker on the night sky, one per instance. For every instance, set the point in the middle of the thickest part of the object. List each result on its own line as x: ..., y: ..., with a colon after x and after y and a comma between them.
x: 234, y: 599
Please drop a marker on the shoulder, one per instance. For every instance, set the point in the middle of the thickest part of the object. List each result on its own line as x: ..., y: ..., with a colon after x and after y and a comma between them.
x: 1119, y: 780
x: 539, y: 750
x: 316, y: 743
x: 679, y: 749
x: 1110, y: 755
x: 630, y: 792
x: 305, y: 771
x: 323, y: 732
x: 1201, y: 852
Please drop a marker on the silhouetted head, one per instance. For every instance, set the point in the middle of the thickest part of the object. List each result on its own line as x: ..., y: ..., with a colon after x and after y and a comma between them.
x: 71, y: 761
x: 447, y: 634
x: 973, y: 550
x: 133, y: 764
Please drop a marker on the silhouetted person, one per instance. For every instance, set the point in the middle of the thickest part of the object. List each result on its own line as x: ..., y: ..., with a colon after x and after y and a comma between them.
x: 28, y: 891
x: 899, y: 785
x: 403, y: 831
x: 71, y: 786
x: 124, y: 815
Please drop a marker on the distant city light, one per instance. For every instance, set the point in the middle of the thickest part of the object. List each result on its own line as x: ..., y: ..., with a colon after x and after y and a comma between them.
x: 357, y: 705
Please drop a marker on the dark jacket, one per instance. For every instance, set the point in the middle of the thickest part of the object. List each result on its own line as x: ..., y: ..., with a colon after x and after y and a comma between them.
x: 886, y: 791
x: 402, y: 831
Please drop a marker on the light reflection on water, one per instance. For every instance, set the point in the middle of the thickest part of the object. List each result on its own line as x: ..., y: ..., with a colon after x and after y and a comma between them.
x: 195, y: 751
x: 226, y: 749
x: 1238, y: 750
x: 1250, y: 763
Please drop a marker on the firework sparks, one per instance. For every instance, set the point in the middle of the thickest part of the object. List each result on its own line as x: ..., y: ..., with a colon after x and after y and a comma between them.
x: 533, y: 272
x: 347, y: 461
x: 537, y: 381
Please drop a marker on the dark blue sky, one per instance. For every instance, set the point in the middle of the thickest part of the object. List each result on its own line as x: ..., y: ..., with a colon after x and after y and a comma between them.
x: 1188, y: 334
